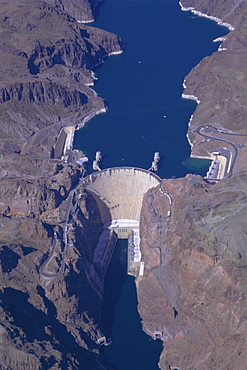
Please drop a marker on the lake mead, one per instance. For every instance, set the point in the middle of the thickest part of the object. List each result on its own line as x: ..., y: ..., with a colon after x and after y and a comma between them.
x: 143, y: 86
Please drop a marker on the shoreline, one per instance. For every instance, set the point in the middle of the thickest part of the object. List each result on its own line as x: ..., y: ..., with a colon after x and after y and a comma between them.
x: 93, y: 10
x: 90, y: 116
x: 104, y: 109
x: 187, y: 135
x: 201, y: 157
x: 191, y: 97
x: 94, y: 78
x: 115, y: 53
x: 85, y: 22
x: 104, y: 57
x: 200, y: 14
x: 218, y: 39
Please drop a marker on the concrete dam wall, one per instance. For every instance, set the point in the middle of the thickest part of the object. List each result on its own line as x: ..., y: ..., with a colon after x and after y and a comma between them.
x: 119, y: 191
x: 119, y: 194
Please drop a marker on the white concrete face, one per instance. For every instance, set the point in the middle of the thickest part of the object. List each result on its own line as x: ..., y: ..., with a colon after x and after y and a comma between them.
x: 119, y: 191
x: 123, y: 227
x: 124, y: 223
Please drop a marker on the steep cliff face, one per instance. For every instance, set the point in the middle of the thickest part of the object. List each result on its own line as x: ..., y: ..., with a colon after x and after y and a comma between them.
x: 194, y: 286
x: 228, y: 11
x: 82, y: 11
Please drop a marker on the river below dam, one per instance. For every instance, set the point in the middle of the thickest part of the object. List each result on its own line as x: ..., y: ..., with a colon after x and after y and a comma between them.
x: 143, y: 88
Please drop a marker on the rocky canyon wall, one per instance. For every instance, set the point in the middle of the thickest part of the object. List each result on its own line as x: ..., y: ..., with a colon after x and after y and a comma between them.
x: 194, y: 286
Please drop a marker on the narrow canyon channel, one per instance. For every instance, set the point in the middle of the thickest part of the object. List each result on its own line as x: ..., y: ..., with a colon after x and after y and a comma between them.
x: 143, y: 88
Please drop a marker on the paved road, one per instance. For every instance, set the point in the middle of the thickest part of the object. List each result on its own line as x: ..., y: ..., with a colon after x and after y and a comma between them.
x: 51, y: 255
x: 169, y: 214
x: 211, y: 129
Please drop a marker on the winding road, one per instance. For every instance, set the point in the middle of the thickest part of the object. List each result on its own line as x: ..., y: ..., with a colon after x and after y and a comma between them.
x: 235, y: 148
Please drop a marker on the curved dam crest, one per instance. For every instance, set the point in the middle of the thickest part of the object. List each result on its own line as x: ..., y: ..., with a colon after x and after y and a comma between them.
x: 119, y: 191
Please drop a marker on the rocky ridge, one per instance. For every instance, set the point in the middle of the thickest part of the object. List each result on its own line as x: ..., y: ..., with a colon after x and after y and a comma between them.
x: 194, y: 286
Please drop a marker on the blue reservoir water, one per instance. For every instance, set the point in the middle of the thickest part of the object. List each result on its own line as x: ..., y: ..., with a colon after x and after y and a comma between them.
x: 141, y: 86
x: 144, y: 84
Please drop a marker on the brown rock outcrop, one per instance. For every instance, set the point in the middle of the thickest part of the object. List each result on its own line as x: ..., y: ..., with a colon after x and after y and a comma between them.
x: 194, y: 286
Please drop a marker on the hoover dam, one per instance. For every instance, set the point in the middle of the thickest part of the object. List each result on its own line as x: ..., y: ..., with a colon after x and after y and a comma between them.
x: 119, y: 193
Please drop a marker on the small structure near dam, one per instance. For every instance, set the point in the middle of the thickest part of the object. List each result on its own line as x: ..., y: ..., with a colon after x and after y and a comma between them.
x: 64, y: 143
x: 119, y: 193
